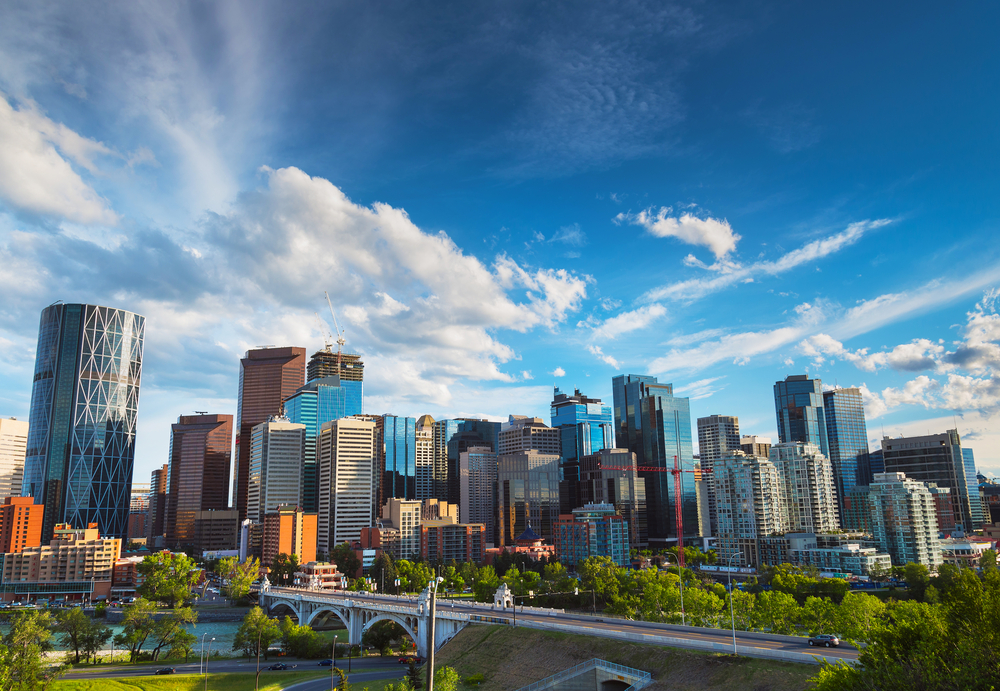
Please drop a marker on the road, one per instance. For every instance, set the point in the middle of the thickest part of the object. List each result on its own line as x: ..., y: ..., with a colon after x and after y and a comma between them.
x: 594, y: 624
x: 381, y: 668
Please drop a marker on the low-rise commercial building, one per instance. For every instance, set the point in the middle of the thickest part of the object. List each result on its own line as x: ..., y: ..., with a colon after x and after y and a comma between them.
x: 319, y: 575
x: 965, y: 552
x: 215, y: 530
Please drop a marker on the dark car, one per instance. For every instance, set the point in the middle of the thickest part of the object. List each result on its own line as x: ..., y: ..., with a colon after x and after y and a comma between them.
x: 325, y: 663
x: 278, y: 666
x: 829, y: 640
x: 165, y: 670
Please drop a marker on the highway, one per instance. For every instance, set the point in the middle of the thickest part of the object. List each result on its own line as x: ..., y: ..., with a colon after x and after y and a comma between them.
x: 598, y: 625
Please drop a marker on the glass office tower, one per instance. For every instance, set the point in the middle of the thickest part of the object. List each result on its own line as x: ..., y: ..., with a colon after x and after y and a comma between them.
x: 656, y: 426
x: 975, y: 506
x: 84, y: 404
x: 847, y: 439
x: 586, y: 426
x: 398, y: 466
x: 451, y: 438
x: 321, y: 400
x: 798, y: 403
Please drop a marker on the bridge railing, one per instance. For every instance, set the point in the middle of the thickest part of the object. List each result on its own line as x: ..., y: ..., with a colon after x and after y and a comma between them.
x: 641, y: 677
x: 348, y: 601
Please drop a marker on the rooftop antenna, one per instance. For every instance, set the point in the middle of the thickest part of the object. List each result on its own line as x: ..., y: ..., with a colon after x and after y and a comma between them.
x: 201, y: 412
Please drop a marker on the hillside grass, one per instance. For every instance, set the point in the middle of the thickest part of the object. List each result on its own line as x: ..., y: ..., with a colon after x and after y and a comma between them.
x: 510, y: 658
x: 187, y: 682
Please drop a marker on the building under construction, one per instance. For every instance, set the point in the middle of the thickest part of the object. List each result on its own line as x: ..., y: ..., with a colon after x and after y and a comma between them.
x: 323, y: 363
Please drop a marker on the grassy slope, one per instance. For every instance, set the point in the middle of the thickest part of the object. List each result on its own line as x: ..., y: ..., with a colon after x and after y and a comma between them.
x: 511, y: 658
x: 186, y: 682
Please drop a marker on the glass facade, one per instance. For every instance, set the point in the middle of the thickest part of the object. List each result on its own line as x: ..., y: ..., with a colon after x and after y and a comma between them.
x: 84, y: 405
x: 321, y: 400
x: 798, y: 403
x: 198, y: 472
x: 655, y: 426
x: 586, y: 426
x: 451, y: 438
x: 527, y: 493
x: 976, y: 506
x: 847, y: 438
x: 399, y: 469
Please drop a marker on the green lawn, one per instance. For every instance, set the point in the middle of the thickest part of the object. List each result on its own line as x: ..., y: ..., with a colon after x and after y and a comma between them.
x: 188, y: 682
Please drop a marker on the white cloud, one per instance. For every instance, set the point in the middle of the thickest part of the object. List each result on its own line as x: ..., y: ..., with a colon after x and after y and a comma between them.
x: 716, y: 235
x: 558, y: 372
x: 570, y: 235
x: 526, y: 375
x: 727, y: 274
x: 35, y: 175
x: 703, y: 388
x: 627, y: 322
x: 920, y: 354
x: 607, y: 359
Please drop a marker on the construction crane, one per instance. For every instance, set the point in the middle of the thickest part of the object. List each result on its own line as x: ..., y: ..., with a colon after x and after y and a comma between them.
x: 327, y: 334
x: 678, y: 513
x: 340, y: 333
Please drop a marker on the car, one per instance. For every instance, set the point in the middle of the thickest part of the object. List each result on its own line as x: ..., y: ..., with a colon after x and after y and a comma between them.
x: 824, y: 639
x: 278, y: 666
x: 325, y: 663
x: 411, y: 659
x: 165, y: 670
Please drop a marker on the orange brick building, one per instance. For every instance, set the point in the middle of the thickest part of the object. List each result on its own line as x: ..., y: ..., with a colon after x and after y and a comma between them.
x: 20, y: 524
x: 289, y: 530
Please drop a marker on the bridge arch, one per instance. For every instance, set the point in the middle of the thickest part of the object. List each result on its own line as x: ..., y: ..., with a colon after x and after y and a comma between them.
x: 317, y: 613
x: 409, y: 623
x: 281, y: 608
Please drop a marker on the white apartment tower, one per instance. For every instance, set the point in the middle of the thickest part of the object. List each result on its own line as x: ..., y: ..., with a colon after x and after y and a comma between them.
x: 346, y: 455
x: 425, y: 487
x: 277, y: 451
x: 13, y: 446
x: 749, y: 503
x: 807, y: 487
x: 477, y: 476
x: 718, y: 435
x: 405, y: 516
x: 904, y: 519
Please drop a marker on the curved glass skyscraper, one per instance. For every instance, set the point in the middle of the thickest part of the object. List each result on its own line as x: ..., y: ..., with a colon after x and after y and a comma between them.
x: 84, y: 404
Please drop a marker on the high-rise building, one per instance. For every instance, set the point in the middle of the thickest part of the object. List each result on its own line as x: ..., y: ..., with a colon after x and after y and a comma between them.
x: 13, y: 445
x: 432, y: 509
x: 807, y: 487
x: 944, y: 508
x: 451, y: 438
x: 405, y: 516
x: 610, y: 476
x: 139, y: 503
x: 798, y: 403
x: 20, y: 524
x: 749, y: 504
x: 478, y: 473
x: 320, y: 400
x: 277, y: 448
x: 346, y: 451
x: 903, y: 519
x: 289, y: 530
x: 215, y: 530
x: 157, y: 503
x: 979, y: 516
x: 529, y: 434
x: 323, y: 363
x: 197, y: 474
x: 847, y: 439
x: 268, y: 376
x: 656, y: 426
x: 444, y: 541
x: 753, y: 445
x: 397, y: 458
x: 937, y: 458
x: 82, y: 424
x: 585, y: 427
x: 718, y: 435
x: 425, y: 485
x: 527, y: 494
x: 593, y: 530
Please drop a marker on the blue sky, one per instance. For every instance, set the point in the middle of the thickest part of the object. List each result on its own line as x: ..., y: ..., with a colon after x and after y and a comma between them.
x: 500, y: 197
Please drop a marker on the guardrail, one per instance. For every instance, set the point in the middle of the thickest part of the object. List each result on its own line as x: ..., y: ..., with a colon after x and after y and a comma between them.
x: 642, y: 677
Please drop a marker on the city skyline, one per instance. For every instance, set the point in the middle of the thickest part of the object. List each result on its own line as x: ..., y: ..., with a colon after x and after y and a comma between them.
x: 510, y: 200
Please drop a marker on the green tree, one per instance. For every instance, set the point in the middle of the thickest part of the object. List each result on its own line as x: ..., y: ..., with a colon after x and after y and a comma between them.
x: 988, y: 559
x: 346, y: 560
x: 168, y: 629
x: 445, y: 679
x: 137, y: 625
x: 859, y: 615
x: 342, y: 684
x: 169, y: 577
x: 819, y: 615
x: 23, y: 667
x: 413, y: 676
x: 383, y: 570
x: 239, y: 576
x: 94, y: 639
x: 73, y: 624
x: 918, y: 579
x: 256, y: 633
x: 299, y: 640
x: 283, y: 569
x: 182, y: 643
x: 382, y: 633
x: 600, y: 574
x: 776, y: 611
x: 485, y: 584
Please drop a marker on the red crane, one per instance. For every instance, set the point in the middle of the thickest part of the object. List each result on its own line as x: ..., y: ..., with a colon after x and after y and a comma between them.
x: 679, y: 514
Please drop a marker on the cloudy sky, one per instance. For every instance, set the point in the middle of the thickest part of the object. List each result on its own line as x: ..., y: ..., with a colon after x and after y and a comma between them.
x: 500, y: 197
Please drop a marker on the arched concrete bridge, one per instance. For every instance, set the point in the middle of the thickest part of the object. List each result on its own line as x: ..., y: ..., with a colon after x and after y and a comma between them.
x: 358, y: 612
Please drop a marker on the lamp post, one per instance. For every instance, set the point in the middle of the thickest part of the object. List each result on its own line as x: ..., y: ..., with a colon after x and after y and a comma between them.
x: 680, y: 576
x: 432, y: 587
x: 732, y: 609
x: 397, y: 587
x: 201, y: 664
x: 206, y: 661
x: 334, y: 655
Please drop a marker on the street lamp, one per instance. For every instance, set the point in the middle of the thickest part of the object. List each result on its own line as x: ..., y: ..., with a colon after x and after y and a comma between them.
x: 432, y: 587
x: 206, y: 661
x: 397, y: 587
x: 732, y: 610
x: 680, y: 576
x: 201, y: 665
x: 334, y: 652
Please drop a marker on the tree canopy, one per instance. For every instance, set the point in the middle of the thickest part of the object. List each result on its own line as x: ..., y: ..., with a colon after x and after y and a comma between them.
x: 168, y: 578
